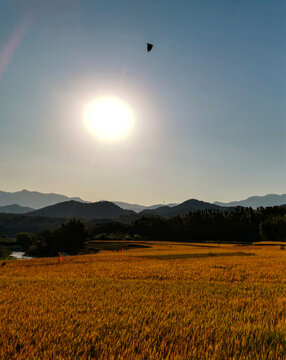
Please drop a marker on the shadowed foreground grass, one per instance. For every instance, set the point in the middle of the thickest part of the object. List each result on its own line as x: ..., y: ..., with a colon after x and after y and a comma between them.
x: 194, y: 256
x: 128, y: 306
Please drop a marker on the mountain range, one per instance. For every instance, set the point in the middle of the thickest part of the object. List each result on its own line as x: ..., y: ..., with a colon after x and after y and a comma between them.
x: 109, y: 210
x: 185, y: 207
x: 25, y: 201
x: 138, y: 208
x: 33, y: 199
x: 257, y: 201
x: 15, y: 218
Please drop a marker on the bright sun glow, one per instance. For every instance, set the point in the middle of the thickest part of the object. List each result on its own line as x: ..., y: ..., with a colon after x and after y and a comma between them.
x: 109, y: 119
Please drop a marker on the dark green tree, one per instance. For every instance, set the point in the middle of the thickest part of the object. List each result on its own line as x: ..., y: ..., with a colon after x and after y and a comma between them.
x: 24, y: 239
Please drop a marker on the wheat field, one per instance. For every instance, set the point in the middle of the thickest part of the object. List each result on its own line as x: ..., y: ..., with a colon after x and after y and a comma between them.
x: 164, y: 301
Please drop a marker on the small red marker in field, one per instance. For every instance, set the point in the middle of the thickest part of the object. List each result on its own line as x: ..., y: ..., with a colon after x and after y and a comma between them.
x: 61, y: 258
x: 122, y: 249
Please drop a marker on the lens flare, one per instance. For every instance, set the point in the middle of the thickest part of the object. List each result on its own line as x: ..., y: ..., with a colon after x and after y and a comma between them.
x: 13, y: 42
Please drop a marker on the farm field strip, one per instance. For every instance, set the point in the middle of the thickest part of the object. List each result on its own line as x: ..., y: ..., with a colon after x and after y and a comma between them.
x: 128, y: 305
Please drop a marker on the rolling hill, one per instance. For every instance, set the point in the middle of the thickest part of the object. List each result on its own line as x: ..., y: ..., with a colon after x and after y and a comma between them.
x: 15, y: 209
x: 184, y: 208
x: 257, y: 201
x: 138, y: 208
x: 11, y: 224
x: 71, y: 209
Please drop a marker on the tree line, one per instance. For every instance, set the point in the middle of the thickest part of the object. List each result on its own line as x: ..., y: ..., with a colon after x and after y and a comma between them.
x: 241, y: 225
x: 69, y: 237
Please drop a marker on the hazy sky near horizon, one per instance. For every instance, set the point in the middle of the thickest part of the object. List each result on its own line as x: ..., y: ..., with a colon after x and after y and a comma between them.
x: 209, y: 100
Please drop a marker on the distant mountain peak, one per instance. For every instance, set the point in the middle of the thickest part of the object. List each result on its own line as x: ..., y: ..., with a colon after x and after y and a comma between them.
x: 15, y: 209
x: 72, y: 208
x: 33, y: 199
x: 138, y: 208
x: 257, y: 201
x: 184, y: 208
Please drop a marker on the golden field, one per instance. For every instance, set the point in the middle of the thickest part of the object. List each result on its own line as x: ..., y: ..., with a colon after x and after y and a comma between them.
x: 164, y: 301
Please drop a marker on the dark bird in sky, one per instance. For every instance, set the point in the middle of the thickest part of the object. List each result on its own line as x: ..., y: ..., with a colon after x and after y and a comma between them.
x: 149, y: 47
x: 3, y: 264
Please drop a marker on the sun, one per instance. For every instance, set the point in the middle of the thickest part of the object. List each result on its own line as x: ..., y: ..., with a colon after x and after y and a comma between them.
x: 109, y: 118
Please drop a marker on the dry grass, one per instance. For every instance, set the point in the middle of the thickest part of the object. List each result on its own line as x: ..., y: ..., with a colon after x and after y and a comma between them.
x: 132, y: 305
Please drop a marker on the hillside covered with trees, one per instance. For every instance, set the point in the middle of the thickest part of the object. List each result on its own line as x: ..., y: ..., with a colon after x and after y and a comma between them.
x: 240, y: 225
x: 244, y: 225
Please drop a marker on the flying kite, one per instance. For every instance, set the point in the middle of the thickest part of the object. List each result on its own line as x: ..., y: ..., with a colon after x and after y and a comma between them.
x: 149, y: 47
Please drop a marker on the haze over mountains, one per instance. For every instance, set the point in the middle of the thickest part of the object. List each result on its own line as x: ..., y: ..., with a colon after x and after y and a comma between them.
x: 138, y: 208
x: 33, y: 199
x: 256, y: 201
x: 108, y: 210
x: 185, y: 208
x: 15, y: 209
x: 15, y: 218
x: 36, y: 200
x: 25, y: 201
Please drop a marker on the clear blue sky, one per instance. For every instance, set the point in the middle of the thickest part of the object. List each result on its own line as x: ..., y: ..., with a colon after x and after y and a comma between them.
x: 209, y: 100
